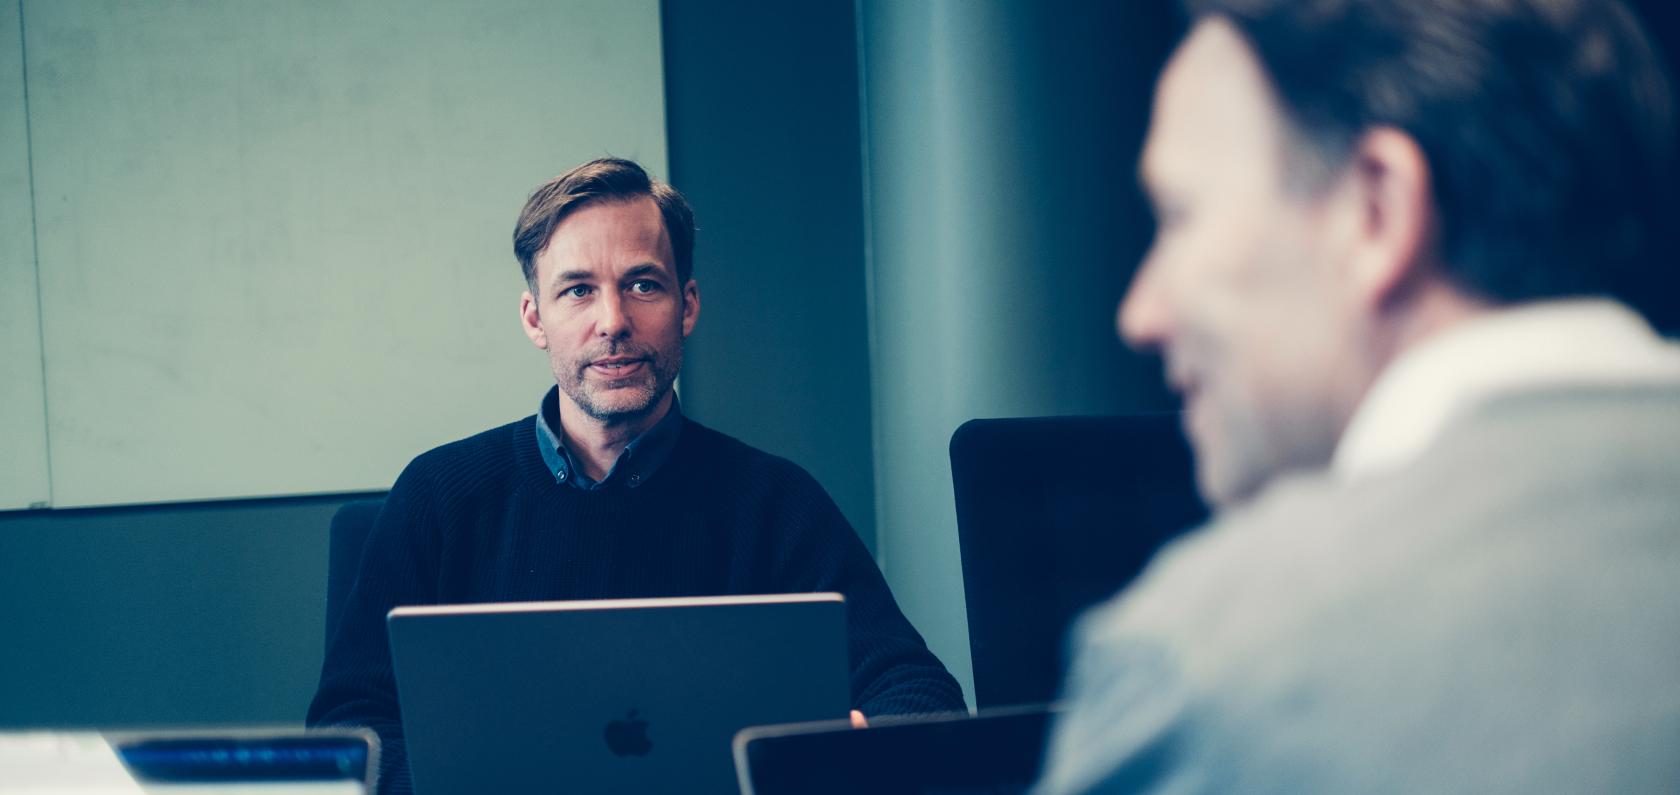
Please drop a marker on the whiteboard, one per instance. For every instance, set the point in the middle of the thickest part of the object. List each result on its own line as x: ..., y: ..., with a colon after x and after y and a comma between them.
x: 23, y: 419
x: 274, y: 238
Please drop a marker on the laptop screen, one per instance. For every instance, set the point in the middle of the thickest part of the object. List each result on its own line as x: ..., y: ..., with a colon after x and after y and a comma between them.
x: 277, y: 762
x: 296, y: 764
x: 996, y: 753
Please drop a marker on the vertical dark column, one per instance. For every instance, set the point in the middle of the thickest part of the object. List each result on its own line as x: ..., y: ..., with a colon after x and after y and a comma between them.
x: 762, y: 118
x: 1660, y: 296
x: 1005, y: 222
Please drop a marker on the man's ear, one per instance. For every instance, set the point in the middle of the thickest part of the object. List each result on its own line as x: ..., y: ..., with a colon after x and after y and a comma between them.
x: 1391, y: 183
x: 691, y: 307
x: 529, y: 322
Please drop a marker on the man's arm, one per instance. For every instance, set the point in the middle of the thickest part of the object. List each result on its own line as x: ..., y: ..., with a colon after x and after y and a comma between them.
x: 398, y: 566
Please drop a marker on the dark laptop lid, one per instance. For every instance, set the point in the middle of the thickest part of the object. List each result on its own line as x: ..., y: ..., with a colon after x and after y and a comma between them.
x: 997, y: 752
x: 327, y: 761
x: 635, y: 695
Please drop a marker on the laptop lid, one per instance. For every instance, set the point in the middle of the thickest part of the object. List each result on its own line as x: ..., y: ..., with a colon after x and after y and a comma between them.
x: 633, y: 695
x: 278, y: 761
x: 996, y: 752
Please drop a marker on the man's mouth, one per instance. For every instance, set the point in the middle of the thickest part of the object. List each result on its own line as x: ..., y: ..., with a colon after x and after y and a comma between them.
x: 1187, y: 385
x: 618, y: 366
x: 1182, y: 381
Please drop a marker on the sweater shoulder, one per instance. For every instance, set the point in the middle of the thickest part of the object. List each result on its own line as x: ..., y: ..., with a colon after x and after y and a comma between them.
x: 721, y: 452
x: 490, y: 456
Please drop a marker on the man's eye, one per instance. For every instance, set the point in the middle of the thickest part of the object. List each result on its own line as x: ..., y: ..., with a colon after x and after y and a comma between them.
x: 644, y: 286
x: 576, y: 291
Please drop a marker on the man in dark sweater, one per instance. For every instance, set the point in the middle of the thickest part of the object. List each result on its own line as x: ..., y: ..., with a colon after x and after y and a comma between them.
x: 608, y: 491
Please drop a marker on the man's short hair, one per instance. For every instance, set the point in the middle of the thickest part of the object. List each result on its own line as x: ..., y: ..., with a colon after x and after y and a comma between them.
x: 603, y: 180
x: 1548, y: 126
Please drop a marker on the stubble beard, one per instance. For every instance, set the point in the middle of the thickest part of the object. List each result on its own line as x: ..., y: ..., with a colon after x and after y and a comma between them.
x: 629, y: 398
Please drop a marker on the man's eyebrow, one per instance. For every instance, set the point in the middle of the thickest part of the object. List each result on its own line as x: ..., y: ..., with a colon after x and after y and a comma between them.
x: 570, y: 276
x: 644, y: 269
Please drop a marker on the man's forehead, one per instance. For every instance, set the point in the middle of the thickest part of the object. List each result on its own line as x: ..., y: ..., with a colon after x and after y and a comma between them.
x: 1214, y: 103
x: 603, y: 232
x: 635, y: 219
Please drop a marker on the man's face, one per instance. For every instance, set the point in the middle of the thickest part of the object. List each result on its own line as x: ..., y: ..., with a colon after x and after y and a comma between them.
x: 609, y: 310
x: 1240, y: 291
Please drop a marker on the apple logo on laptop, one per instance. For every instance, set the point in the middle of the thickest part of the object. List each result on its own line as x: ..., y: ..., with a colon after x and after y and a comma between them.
x: 629, y: 737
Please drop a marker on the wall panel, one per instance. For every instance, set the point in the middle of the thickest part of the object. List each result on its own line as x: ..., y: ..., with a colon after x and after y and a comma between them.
x: 23, y: 419
x: 273, y: 237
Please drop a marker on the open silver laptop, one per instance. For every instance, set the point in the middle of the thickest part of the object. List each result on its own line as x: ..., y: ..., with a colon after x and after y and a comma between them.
x: 634, y: 695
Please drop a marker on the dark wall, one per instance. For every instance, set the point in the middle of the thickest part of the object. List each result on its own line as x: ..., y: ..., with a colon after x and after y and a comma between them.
x: 162, y: 615
x: 1004, y: 222
x: 762, y: 119
x: 1661, y: 299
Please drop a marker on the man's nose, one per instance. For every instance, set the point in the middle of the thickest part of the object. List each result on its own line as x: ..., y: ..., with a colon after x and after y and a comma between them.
x: 1144, y: 319
x: 612, y: 321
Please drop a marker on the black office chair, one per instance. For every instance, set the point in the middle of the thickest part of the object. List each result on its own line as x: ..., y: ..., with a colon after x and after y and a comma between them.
x: 351, y: 524
x: 1055, y: 514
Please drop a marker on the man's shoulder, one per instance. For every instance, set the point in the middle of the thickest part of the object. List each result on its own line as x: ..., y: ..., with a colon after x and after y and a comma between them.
x: 716, y: 446
x: 744, y: 469
x: 1535, y: 460
x: 488, y: 453
x: 1505, y: 499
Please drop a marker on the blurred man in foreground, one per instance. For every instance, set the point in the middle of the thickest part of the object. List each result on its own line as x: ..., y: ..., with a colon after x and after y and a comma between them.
x: 1399, y: 254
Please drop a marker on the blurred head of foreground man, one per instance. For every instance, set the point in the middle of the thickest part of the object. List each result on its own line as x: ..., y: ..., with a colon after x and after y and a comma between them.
x: 1397, y: 280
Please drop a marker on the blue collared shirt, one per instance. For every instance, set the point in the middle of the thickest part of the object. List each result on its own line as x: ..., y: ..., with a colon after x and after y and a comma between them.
x: 640, y: 459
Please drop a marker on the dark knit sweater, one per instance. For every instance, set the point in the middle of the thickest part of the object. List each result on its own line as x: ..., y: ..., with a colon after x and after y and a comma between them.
x: 482, y: 520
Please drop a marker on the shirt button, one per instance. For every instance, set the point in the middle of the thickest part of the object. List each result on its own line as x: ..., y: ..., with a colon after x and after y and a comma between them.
x: 560, y: 475
x: 634, y: 479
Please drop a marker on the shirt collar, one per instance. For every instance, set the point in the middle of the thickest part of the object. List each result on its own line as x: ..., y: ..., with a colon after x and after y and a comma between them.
x: 1543, y: 344
x: 641, y: 457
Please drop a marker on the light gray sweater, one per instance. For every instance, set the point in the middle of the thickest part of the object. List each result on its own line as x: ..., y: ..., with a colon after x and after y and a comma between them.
x: 1501, y: 615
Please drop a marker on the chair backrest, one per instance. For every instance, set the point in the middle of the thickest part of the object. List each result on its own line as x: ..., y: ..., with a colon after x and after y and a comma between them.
x: 351, y: 524
x: 1055, y: 514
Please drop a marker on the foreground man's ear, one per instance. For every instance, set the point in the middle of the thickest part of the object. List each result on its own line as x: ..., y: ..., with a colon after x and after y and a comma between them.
x: 1395, y: 224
